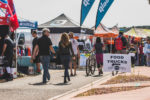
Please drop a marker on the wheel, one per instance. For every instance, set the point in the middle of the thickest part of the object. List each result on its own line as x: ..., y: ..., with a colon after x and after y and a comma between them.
x: 93, y: 66
x: 88, y: 67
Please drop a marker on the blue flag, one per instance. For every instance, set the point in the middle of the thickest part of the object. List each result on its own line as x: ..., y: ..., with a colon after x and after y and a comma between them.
x: 85, y: 8
x: 104, y: 5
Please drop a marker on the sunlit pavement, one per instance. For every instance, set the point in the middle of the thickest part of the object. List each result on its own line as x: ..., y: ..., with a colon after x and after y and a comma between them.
x: 29, y: 88
x: 139, y: 94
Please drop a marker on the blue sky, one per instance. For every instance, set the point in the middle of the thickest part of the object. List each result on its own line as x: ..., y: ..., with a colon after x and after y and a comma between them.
x: 122, y: 12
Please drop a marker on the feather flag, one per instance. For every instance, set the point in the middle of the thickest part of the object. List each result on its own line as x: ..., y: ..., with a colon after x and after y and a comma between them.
x: 85, y: 8
x: 14, y: 24
x: 104, y: 5
x: 8, y: 14
x: 5, y: 13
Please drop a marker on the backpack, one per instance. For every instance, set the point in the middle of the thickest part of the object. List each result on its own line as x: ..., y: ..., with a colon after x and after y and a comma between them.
x: 118, y: 44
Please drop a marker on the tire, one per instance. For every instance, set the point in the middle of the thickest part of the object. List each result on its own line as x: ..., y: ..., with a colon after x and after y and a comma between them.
x: 88, y: 67
x: 93, y: 66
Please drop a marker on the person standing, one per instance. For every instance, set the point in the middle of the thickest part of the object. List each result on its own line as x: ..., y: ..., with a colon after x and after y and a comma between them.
x: 133, y: 54
x: 44, y: 46
x: 37, y: 58
x: 7, y: 52
x: 76, y: 51
x: 65, y: 51
x: 120, y: 44
x: 144, y: 51
x: 98, y: 47
x: 141, y: 55
x: 147, y: 51
x: 136, y: 46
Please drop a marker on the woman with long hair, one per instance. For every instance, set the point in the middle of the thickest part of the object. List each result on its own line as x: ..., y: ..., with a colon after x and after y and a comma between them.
x: 98, y: 47
x: 65, y: 51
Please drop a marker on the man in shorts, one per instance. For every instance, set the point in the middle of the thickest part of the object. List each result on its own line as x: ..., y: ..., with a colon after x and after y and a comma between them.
x: 37, y: 58
x: 7, y: 52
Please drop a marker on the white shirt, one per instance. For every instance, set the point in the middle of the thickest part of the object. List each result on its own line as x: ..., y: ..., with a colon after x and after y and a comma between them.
x: 75, y: 44
x: 146, y: 48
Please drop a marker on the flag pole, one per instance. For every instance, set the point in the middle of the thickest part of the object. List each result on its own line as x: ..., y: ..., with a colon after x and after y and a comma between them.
x: 111, y: 45
x: 16, y: 50
x: 81, y: 13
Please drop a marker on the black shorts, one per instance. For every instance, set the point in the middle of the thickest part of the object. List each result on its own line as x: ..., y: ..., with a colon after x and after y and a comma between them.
x: 8, y: 60
x: 37, y: 59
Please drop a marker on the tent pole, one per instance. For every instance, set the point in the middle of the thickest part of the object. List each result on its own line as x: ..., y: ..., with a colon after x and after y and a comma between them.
x: 111, y: 46
x: 16, y: 39
x: 16, y: 50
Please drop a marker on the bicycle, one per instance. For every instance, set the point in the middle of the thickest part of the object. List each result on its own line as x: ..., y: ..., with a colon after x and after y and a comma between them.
x: 90, y: 63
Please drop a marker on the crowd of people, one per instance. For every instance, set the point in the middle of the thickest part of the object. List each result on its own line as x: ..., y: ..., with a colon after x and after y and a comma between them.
x: 69, y: 52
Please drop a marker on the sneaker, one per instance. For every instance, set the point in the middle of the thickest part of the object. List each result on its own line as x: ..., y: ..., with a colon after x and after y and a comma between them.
x: 68, y: 78
x: 48, y: 79
x: 99, y: 73
x: 71, y: 74
x: 75, y: 74
x: 44, y: 82
x: 65, y: 81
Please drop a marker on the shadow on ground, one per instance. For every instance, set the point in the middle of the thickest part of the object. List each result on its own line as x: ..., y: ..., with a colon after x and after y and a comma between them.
x: 97, y: 76
x: 39, y: 83
x: 62, y: 84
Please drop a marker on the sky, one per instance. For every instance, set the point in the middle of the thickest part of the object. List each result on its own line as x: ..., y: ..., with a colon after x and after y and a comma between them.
x: 122, y: 12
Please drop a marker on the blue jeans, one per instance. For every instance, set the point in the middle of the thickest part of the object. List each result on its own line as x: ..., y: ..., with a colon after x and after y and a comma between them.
x: 45, y: 60
x: 148, y: 59
x: 142, y: 59
x: 137, y: 60
x: 65, y: 59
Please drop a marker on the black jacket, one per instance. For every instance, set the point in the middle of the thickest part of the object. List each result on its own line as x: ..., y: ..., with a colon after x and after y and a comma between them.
x: 67, y: 50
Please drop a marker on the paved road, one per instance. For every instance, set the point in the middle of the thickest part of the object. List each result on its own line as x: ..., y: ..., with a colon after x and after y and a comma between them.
x: 28, y: 88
